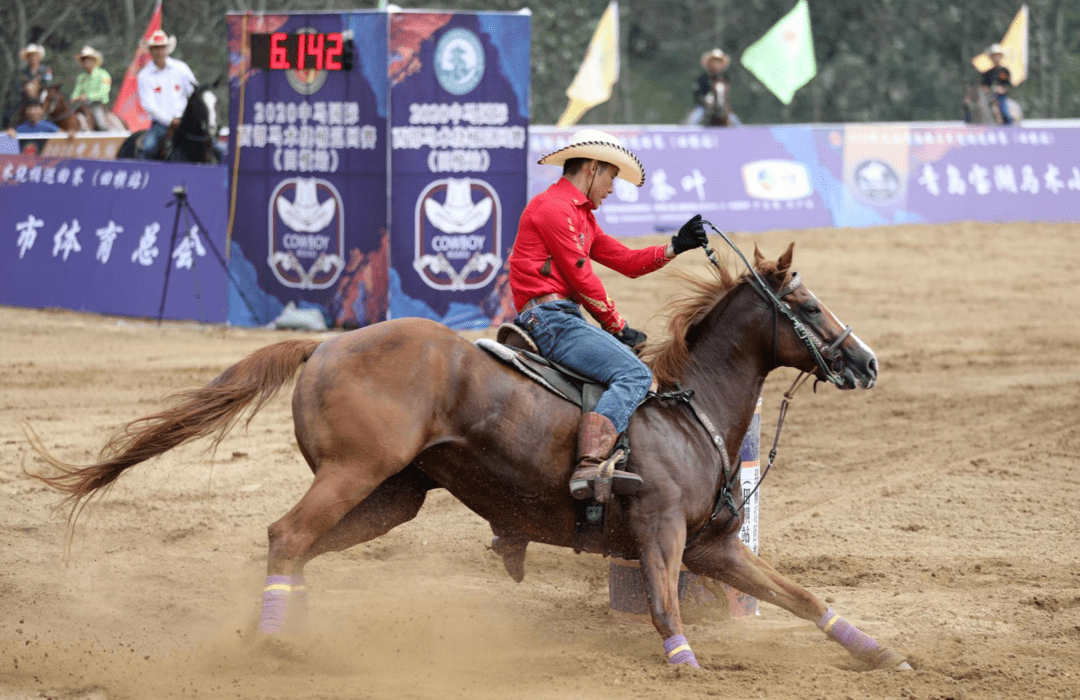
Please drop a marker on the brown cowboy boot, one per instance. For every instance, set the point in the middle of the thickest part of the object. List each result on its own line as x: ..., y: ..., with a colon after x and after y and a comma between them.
x: 595, y: 474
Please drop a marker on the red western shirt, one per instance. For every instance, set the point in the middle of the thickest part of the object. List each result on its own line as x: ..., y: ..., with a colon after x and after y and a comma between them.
x: 557, y: 240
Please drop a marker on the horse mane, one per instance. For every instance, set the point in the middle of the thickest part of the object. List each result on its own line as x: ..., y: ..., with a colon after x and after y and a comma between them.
x: 668, y: 358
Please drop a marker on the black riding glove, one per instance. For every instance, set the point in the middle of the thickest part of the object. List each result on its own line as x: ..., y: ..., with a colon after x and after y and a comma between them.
x: 691, y: 235
x: 628, y: 336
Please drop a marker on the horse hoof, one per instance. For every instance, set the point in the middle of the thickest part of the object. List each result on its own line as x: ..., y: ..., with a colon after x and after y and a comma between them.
x: 888, y: 660
x: 513, y: 556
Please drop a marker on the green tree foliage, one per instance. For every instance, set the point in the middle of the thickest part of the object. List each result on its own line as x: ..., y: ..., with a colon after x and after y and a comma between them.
x: 878, y: 60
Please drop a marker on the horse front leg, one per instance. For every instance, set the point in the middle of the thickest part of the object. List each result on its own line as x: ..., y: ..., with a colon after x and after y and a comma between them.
x: 661, y: 559
x: 732, y: 562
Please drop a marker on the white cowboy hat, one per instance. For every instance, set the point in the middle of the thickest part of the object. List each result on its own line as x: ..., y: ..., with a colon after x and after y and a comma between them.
x: 598, y: 145
x: 304, y: 214
x: 458, y: 213
x: 89, y: 51
x: 34, y: 48
x: 994, y: 48
x: 725, y: 60
x: 160, y: 38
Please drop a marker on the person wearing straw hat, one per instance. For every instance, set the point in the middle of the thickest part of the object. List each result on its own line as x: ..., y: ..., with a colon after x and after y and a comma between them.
x: 92, y: 87
x: 34, y: 77
x: 712, y: 92
x: 165, y: 85
x: 998, y: 80
x: 552, y: 277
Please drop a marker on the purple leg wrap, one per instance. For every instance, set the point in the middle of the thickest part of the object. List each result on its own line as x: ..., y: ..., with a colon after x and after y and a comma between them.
x: 848, y: 635
x: 275, y: 603
x: 678, y: 651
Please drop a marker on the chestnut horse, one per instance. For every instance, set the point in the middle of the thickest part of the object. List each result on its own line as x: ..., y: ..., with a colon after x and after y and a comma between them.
x: 385, y: 413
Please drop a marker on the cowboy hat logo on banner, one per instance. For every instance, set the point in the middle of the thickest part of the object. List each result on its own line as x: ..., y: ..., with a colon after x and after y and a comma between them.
x: 458, y: 237
x: 307, y: 233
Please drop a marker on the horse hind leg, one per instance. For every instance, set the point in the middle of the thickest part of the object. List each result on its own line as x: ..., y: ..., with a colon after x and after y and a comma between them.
x: 732, y: 562
x: 394, y: 501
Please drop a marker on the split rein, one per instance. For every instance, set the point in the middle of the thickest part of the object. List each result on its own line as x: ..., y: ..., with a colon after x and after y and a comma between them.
x: 825, y: 357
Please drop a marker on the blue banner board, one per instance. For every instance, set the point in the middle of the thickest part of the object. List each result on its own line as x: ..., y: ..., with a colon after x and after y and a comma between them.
x: 95, y: 235
x: 459, y: 106
x: 308, y: 105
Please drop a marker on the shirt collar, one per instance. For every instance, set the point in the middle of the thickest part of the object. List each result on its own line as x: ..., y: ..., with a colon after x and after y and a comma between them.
x: 567, y: 189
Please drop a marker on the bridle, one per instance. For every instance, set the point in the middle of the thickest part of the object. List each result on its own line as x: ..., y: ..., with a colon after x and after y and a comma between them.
x: 827, y: 357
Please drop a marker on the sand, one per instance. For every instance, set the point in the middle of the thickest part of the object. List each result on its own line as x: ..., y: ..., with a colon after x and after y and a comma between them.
x: 938, y: 511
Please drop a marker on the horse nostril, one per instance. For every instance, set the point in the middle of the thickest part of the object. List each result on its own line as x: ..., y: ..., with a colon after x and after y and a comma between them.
x: 873, y: 366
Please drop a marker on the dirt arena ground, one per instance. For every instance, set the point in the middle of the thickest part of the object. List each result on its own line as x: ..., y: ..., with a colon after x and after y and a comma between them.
x: 939, y: 512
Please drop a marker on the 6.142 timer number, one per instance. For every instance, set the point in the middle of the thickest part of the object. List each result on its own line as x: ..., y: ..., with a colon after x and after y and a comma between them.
x: 301, y: 51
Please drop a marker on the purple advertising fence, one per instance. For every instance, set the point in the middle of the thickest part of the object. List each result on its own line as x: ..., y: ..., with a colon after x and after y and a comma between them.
x: 96, y: 236
x: 792, y: 177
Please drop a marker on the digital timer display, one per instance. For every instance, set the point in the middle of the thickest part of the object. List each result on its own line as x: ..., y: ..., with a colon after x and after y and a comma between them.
x: 301, y: 51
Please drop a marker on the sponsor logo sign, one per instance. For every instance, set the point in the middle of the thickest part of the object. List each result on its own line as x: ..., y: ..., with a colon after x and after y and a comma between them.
x: 778, y: 180
x: 458, y: 234
x: 459, y: 61
x: 307, y: 233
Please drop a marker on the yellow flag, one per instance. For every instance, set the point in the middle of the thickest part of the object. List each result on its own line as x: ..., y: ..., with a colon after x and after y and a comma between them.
x: 1014, y: 47
x: 599, y: 71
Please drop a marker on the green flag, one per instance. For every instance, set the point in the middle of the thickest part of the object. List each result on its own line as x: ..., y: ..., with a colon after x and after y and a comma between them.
x: 783, y: 59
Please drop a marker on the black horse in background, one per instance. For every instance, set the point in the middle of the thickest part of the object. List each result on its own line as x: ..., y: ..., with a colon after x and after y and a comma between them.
x: 193, y: 140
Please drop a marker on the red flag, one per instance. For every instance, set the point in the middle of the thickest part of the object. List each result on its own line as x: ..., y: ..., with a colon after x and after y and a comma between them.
x: 127, y: 105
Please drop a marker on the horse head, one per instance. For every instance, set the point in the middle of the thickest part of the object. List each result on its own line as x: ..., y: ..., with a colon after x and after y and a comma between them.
x: 53, y: 102
x: 198, y: 128
x: 755, y: 323
x: 825, y: 347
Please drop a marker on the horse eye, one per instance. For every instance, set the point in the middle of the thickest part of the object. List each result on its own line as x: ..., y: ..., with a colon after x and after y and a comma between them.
x: 811, y: 309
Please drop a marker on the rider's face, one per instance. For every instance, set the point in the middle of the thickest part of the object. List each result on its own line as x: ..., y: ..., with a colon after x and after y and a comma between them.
x: 602, y: 183
x: 159, y: 54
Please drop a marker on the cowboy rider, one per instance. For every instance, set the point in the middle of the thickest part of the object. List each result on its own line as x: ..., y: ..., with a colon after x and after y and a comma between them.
x: 998, y: 80
x: 551, y: 274
x: 165, y: 85
x: 713, y: 64
x: 92, y: 86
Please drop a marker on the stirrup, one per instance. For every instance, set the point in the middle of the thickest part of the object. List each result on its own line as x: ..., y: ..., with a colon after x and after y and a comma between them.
x: 601, y: 481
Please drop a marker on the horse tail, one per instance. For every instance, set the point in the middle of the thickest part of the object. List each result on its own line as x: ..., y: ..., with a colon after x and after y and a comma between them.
x: 211, y: 410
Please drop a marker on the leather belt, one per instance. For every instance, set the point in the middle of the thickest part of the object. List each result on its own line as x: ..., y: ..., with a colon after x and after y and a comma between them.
x: 537, y: 301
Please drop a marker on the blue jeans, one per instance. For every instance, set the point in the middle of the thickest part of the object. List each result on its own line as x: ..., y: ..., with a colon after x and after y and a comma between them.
x: 152, y: 140
x: 564, y: 336
x: 1003, y: 105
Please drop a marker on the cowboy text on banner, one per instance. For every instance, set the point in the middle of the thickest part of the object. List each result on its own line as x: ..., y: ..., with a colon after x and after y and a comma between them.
x: 783, y: 59
x: 1014, y: 49
x: 598, y: 72
x: 127, y: 105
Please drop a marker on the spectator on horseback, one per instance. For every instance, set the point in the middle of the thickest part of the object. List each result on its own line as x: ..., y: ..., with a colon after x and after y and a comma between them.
x: 34, y: 77
x: 998, y: 80
x: 712, y: 93
x: 92, y: 87
x: 551, y: 274
x: 164, y: 87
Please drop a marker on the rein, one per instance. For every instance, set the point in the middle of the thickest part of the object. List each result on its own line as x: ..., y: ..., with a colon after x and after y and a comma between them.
x: 824, y: 357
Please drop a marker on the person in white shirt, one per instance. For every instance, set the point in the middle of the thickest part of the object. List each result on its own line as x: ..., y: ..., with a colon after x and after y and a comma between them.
x: 164, y: 87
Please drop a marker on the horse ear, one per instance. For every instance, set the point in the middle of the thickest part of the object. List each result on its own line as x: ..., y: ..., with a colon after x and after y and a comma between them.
x: 784, y: 263
x: 758, y: 257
